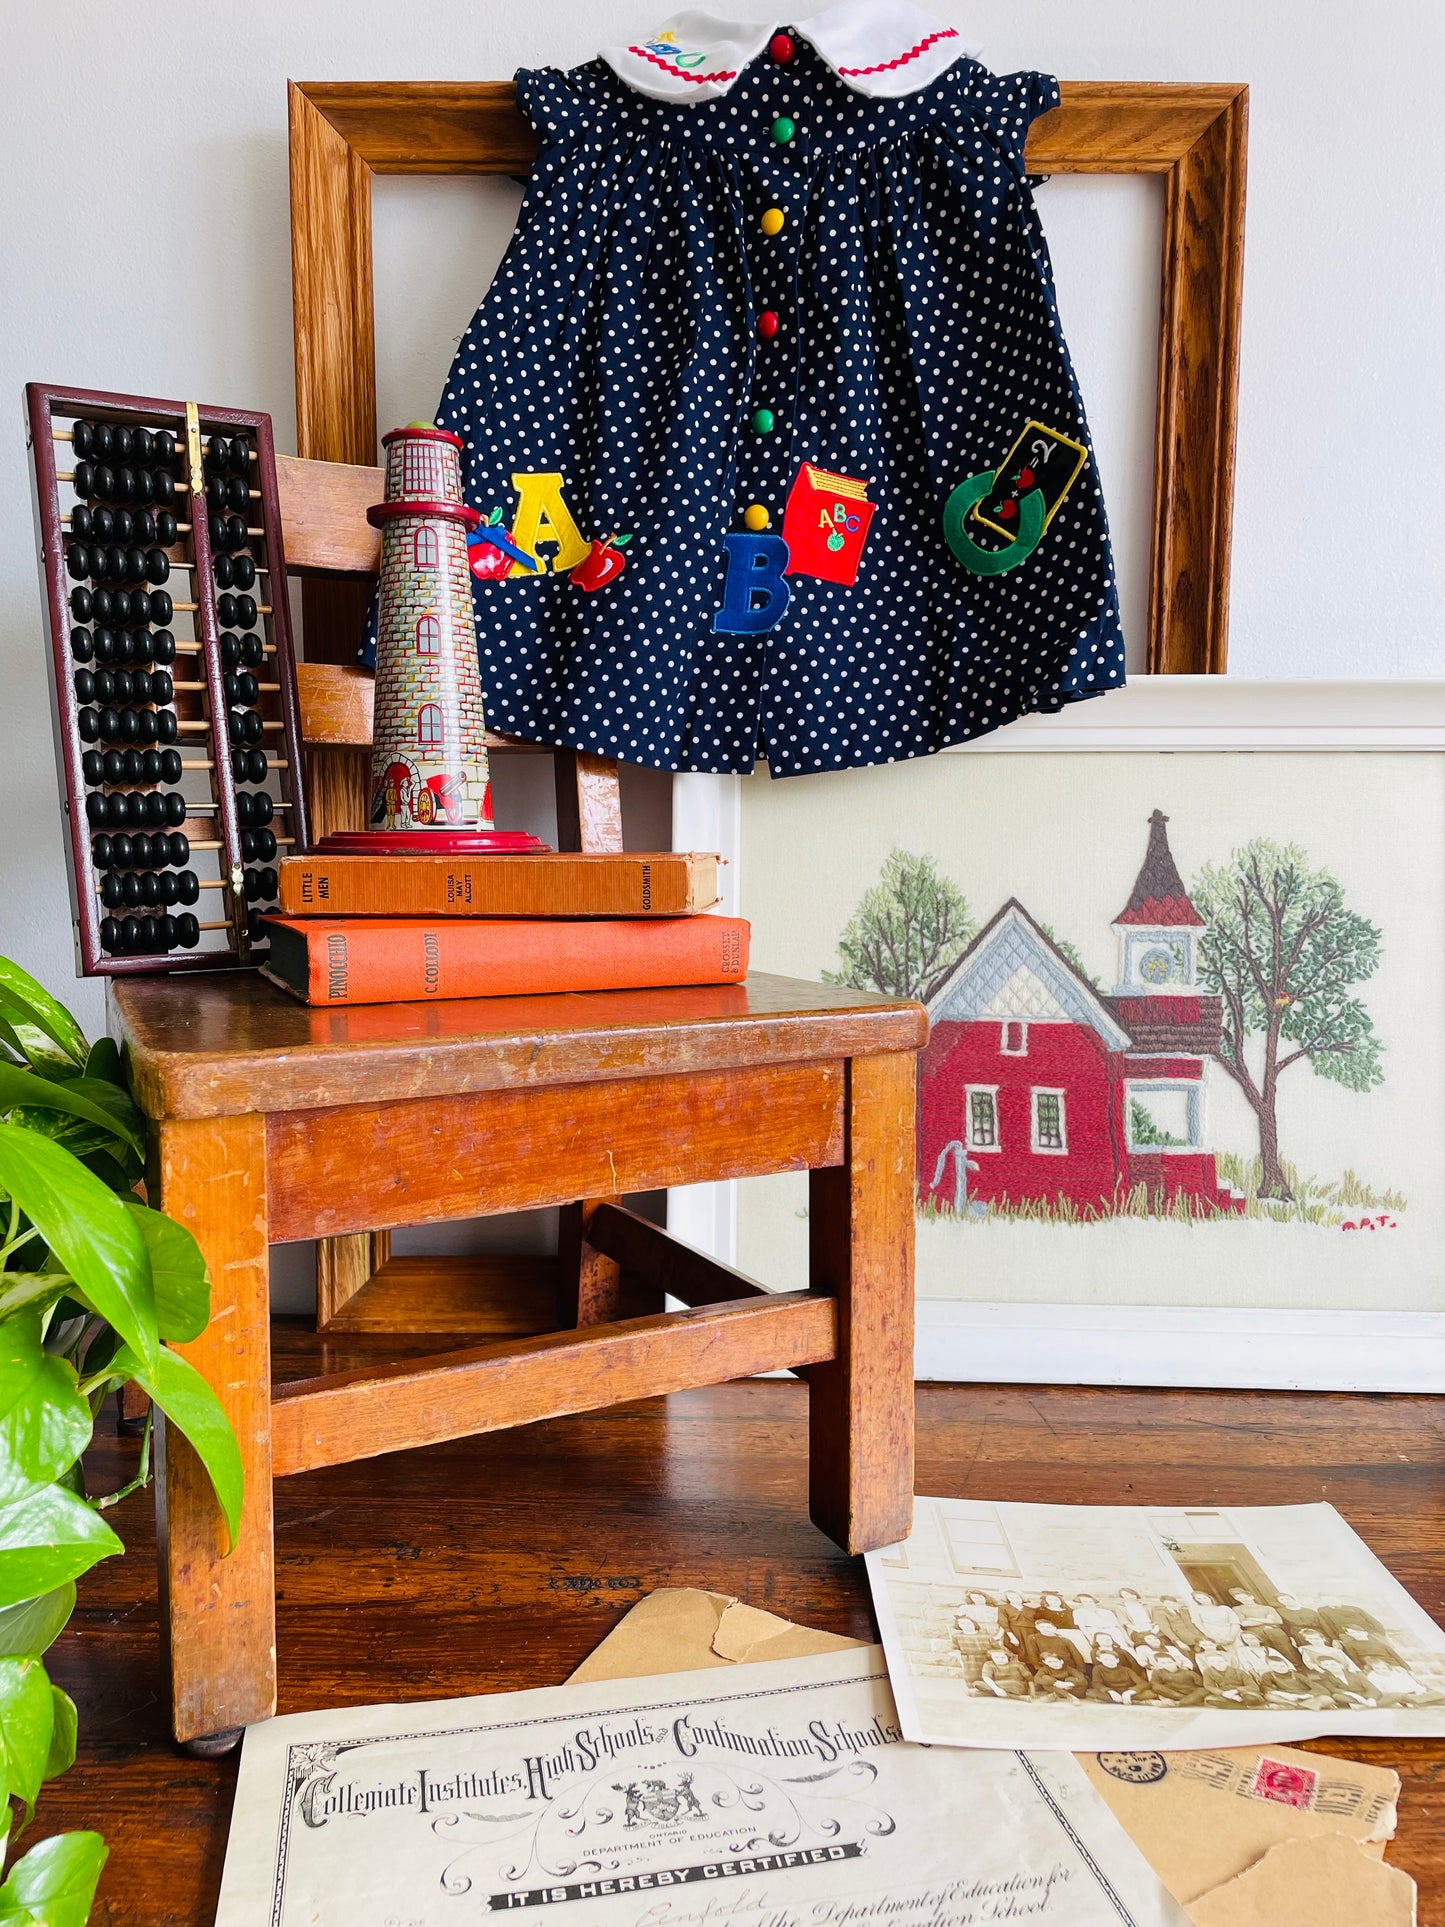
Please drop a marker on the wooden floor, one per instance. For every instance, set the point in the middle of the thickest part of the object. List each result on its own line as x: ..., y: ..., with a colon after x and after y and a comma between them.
x: 499, y: 1562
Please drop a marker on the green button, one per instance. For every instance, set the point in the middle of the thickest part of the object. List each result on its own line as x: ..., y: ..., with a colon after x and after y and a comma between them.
x: 783, y: 130
x: 763, y: 420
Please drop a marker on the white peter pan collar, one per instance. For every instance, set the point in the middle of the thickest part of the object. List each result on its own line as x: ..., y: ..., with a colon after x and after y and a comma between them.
x: 885, y: 48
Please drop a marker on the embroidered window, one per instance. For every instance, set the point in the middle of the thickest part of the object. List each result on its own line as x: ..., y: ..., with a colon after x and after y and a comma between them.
x: 1048, y: 1133
x: 425, y: 549
x: 429, y: 725
x: 982, y: 1119
x: 428, y: 635
x: 421, y: 470
x: 1014, y: 1038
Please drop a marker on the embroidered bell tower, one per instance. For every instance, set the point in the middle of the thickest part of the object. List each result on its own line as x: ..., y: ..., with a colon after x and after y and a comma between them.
x: 1158, y: 928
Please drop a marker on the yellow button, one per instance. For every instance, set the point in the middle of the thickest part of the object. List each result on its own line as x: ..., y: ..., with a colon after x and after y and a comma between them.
x: 772, y: 221
x: 756, y: 517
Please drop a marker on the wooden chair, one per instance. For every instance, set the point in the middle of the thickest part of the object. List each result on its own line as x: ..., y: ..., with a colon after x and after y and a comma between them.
x: 275, y: 1122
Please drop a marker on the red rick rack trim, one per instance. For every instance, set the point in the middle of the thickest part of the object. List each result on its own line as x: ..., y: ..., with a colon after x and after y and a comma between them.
x: 681, y: 74
x: 854, y: 73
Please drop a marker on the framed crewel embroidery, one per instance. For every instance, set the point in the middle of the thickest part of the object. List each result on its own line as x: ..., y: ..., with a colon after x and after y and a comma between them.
x: 1181, y: 1115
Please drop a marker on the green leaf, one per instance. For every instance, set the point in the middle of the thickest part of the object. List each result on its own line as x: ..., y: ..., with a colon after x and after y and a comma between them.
x: 35, y: 1624
x: 54, y: 1884
x: 178, y: 1274
x: 117, y: 1177
x: 27, y: 1721
x: 22, y: 998
x: 32, y: 1290
x: 104, y: 1061
x: 189, y: 1403
x: 47, y: 1538
x: 78, y: 1096
x: 63, y: 1734
x: 620, y: 541
x: 44, y: 1421
x: 89, y: 1230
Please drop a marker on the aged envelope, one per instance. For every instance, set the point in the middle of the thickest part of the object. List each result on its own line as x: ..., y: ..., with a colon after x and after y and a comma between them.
x: 1207, y: 1822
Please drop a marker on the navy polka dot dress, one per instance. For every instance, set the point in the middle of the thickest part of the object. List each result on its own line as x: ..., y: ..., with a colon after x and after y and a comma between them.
x: 771, y: 389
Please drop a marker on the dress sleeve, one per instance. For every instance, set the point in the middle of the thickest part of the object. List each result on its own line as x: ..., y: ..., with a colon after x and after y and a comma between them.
x: 1007, y: 105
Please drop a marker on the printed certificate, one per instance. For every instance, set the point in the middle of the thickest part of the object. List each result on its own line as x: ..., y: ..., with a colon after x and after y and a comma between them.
x: 779, y: 1795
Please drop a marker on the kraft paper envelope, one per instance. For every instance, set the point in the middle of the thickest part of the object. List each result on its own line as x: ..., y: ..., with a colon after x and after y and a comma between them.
x: 1242, y: 1836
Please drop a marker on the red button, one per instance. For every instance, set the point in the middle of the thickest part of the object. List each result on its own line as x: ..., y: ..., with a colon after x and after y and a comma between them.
x: 781, y: 48
x: 768, y: 324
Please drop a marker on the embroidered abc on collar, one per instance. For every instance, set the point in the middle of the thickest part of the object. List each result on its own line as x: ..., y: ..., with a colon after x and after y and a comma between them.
x: 887, y: 50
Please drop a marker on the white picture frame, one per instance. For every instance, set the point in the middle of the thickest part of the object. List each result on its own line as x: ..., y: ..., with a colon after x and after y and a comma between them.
x: 976, y: 1341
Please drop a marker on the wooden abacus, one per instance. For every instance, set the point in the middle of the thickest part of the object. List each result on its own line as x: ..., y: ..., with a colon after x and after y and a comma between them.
x: 177, y: 736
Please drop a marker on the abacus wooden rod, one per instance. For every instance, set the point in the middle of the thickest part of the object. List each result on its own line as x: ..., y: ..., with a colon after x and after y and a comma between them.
x: 202, y: 726
x: 179, y: 430
x: 278, y: 763
x: 282, y: 843
x: 262, y: 687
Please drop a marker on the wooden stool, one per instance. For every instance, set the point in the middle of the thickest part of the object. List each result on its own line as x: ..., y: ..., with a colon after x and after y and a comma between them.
x: 272, y: 1121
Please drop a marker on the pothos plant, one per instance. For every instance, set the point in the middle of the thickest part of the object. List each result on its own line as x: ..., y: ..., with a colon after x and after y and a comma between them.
x: 92, y: 1282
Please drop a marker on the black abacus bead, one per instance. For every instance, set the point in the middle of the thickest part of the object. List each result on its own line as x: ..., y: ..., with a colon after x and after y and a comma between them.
x: 224, y: 573
x: 148, y: 726
x: 163, y: 646
x: 117, y: 815
x: 84, y: 686
x: 188, y: 931
x: 243, y: 570
x: 124, y: 525
x: 175, y: 805
x: 252, y: 886
x: 103, y: 482
x: 140, y: 851
x: 109, y: 934
x: 266, y: 845
x: 251, y: 727
x: 255, y: 928
x: 161, y: 607
x: 140, y: 685
x: 122, y: 442
x: 171, y: 766
x: 83, y: 480
x: 235, y: 532
x: 122, y: 850
x: 162, y: 687
x: 111, y: 607
x: 104, y: 686
x: 167, y: 728
x: 145, y: 486
x: 166, y: 925
x: 144, y: 444
x: 104, y: 645
x: 268, y: 884
x: 255, y: 765
x: 92, y: 766
x: 133, y: 765
x: 253, y: 651
x: 155, y: 809
x: 102, y: 525
x: 230, y: 684
x: 130, y: 933
x: 102, y: 852
x: 135, y: 565
x: 108, y: 725
x: 233, y: 728
x: 150, y: 890
x: 151, y: 766
x: 244, y: 803
x: 130, y: 890
x: 240, y: 456
x: 148, y: 933
x: 248, y: 846
x: 135, y: 810
x: 113, y: 763
x: 80, y: 437
x: 77, y: 561
x: 143, y: 527
x: 144, y: 647
x: 81, y: 522
x: 168, y: 890
x: 157, y: 565
x: 188, y: 887
x: 238, y: 496
x: 87, y: 726
x: 121, y: 687
x: 165, y: 529
x: 218, y: 455
x: 226, y: 611
x: 216, y: 493
x: 111, y: 893
x: 164, y: 449
x: 125, y: 647
x: 163, y: 487
x: 108, y: 565
x: 82, y: 604
x: 216, y: 522
x: 102, y: 440
x: 230, y: 646
x: 178, y: 848
x: 96, y: 812
x: 127, y: 483
x: 246, y: 611
x: 262, y: 808
x: 250, y: 689
x: 129, y: 726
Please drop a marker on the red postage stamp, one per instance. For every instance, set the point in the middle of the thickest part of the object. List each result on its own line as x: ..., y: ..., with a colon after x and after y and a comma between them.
x: 1291, y: 1786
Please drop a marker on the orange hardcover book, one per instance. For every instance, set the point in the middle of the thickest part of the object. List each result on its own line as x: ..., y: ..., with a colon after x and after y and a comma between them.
x: 393, y: 960
x: 635, y: 884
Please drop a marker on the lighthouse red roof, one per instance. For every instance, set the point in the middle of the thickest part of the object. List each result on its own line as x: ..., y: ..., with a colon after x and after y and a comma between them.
x: 1159, y: 897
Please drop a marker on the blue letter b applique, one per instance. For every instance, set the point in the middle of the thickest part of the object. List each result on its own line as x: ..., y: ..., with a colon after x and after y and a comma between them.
x: 754, y: 592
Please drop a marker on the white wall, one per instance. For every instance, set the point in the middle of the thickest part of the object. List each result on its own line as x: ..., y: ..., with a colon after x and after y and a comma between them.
x: 144, y: 242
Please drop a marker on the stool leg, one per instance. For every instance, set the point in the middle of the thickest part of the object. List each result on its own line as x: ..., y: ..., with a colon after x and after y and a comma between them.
x: 589, y: 1286
x: 218, y: 1612
x: 860, y: 1238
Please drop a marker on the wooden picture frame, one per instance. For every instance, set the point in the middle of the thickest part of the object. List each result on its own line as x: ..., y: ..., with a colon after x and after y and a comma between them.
x: 344, y: 132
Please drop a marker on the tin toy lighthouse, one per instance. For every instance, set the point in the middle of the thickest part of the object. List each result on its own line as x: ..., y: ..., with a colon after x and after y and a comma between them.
x: 430, y: 781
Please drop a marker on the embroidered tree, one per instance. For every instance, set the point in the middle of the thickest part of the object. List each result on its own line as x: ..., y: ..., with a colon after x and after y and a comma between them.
x: 908, y: 932
x: 1284, y: 952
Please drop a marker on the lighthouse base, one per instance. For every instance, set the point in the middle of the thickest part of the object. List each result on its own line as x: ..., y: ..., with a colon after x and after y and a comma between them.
x: 431, y: 843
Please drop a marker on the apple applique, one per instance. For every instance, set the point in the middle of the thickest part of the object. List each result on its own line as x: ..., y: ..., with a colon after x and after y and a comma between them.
x: 603, y: 563
x: 492, y: 552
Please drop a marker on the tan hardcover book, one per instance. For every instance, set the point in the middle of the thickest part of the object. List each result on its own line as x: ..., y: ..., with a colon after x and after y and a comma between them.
x: 637, y: 884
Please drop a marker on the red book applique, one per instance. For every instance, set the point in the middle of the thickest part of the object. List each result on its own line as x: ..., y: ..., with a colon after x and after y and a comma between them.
x: 825, y: 524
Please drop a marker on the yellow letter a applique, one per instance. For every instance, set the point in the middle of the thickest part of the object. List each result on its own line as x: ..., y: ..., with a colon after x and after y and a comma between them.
x: 542, y: 516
